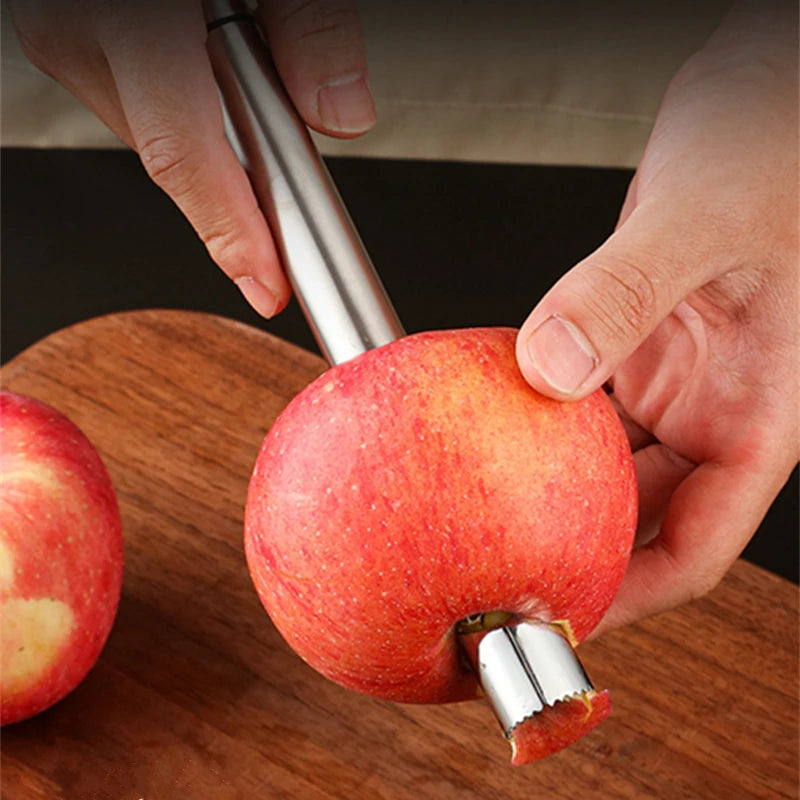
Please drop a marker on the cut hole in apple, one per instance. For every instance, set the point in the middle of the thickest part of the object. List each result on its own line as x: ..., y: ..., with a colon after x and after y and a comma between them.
x: 534, y: 682
x: 467, y: 635
x: 485, y: 621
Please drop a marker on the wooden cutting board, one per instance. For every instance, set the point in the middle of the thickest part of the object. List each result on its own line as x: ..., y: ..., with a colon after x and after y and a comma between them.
x: 197, y: 696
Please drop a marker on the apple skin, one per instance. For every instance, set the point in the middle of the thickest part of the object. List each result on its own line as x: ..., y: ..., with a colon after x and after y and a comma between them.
x: 558, y: 726
x: 425, y: 481
x: 61, y: 556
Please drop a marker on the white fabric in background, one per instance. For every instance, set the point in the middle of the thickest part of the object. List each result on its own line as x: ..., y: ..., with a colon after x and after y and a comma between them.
x: 514, y: 81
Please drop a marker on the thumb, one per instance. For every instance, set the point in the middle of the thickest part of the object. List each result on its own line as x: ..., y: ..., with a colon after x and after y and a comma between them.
x: 318, y: 48
x: 605, y: 307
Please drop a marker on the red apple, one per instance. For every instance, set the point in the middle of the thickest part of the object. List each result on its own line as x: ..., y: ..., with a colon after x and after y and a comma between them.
x: 60, y: 556
x: 423, y: 482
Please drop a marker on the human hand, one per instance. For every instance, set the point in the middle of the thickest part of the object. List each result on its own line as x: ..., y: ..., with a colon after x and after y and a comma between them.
x: 690, y: 312
x: 142, y: 68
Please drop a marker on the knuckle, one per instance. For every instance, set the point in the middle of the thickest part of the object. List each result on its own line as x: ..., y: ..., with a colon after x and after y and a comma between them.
x: 168, y: 161
x: 697, y: 581
x: 329, y: 26
x: 624, y: 298
x: 305, y: 15
x: 705, y: 583
x: 228, y: 249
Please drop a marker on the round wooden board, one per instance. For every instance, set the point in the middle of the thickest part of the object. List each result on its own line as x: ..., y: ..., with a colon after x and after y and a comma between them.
x: 197, y: 696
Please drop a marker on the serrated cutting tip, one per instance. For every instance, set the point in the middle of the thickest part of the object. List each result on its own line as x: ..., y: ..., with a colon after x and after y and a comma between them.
x: 524, y: 667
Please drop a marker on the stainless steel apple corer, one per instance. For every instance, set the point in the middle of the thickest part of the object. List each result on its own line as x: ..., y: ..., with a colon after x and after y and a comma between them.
x: 522, y: 667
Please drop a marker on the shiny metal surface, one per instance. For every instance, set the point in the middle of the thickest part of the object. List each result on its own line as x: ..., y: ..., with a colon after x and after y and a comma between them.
x: 330, y: 272
x: 523, y: 668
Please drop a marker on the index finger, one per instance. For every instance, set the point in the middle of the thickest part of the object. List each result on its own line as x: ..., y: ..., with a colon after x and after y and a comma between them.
x: 710, y: 519
x: 157, y: 56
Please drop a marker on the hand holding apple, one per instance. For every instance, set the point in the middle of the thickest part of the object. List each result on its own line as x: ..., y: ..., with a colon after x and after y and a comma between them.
x: 425, y: 482
x: 691, y: 310
x: 60, y: 556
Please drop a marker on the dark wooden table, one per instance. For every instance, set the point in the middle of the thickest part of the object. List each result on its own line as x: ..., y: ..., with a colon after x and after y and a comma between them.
x: 197, y: 696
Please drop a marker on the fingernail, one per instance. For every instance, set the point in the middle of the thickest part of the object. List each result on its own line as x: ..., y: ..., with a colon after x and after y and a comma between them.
x: 562, y: 354
x: 345, y: 105
x: 263, y: 300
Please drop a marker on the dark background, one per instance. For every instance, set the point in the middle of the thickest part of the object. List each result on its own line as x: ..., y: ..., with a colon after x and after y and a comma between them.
x: 85, y: 233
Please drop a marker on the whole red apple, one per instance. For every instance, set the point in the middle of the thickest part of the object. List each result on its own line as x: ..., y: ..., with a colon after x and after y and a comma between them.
x: 60, y: 556
x: 424, y: 482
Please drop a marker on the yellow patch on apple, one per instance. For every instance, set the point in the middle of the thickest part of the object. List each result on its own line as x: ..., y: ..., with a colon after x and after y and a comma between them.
x: 6, y: 567
x: 34, y: 632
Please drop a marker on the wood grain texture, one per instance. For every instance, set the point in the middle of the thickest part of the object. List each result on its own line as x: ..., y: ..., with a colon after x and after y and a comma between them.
x: 197, y: 696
